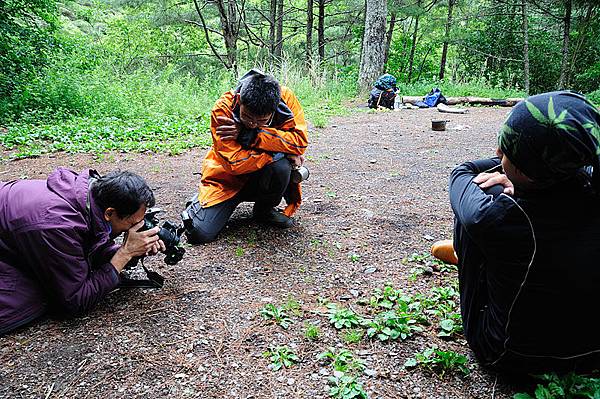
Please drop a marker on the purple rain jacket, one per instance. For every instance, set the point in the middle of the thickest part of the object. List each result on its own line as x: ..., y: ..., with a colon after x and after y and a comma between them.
x: 55, y: 248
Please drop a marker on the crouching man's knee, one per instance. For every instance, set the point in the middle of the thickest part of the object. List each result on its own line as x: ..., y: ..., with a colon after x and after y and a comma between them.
x: 203, y: 225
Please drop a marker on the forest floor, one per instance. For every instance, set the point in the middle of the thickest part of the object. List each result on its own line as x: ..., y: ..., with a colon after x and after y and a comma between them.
x: 375, y: 202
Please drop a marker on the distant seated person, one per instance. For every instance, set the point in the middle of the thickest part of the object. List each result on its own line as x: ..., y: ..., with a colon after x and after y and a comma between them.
x: 527, y: 234
x: 57, y: 252
x: 259, y: 135
x: 383, y: 93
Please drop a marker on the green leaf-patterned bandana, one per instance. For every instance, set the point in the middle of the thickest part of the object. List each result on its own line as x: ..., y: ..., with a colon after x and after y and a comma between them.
x: 550, y: 136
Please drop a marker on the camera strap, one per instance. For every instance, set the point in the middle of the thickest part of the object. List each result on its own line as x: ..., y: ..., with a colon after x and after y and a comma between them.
x: 154, y: 280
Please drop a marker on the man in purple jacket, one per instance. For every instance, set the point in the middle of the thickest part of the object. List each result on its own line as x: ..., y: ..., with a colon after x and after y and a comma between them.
x: 57, y: 252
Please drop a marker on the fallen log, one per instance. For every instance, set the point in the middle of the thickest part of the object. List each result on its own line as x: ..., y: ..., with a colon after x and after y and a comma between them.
x: 506, y: 102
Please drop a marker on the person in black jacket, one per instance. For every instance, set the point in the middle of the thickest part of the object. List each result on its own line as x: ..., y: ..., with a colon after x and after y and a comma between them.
x: 527, y: 237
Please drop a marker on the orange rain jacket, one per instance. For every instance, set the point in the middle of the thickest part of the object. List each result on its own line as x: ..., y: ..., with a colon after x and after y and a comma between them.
x: 226, y: 166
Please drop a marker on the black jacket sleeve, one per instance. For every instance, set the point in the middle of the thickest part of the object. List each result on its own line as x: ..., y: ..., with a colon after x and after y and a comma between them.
x: 473, y: 207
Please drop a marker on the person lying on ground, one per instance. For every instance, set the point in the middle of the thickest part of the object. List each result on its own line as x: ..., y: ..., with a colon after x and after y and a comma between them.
x: 527, y: 228
x: 259, y: 134
x: 57, y: 252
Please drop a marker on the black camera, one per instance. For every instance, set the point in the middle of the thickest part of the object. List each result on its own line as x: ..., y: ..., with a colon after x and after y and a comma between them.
x: 169, y: 233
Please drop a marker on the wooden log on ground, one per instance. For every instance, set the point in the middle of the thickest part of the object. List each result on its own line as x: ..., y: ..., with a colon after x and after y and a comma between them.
x: 503, y: 102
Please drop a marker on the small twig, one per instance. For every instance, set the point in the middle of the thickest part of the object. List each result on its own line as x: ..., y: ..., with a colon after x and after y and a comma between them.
x: 494, y: 388
x: 103, y: 381
x: 50, y: 391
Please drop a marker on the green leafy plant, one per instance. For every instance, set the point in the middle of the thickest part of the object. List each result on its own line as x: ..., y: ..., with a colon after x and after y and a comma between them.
x: 239, y: 251
x: 281, y: 356
x: 392, y: 325
x: 353, y: 336
x: 345, y: 386
x: 569, y: 386
x: 384, y: 298
x: 277, y: 314
x: 293, y: 306
x: 342, y: 360
x: 341, y: 317
x: 438, y: 361
x: 450, y: 325
x: 311, y: 332
x: 330, y: 193
x: 354, y: 257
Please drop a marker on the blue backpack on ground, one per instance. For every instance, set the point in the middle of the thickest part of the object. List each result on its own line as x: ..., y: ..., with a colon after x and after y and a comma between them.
x: 434, y: 97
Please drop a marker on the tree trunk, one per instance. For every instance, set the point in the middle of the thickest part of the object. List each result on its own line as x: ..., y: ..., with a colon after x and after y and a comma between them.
x: 564, y: 68
x: 230, y: 28
x: 446, y: 38
x: 279, y: 35
x: 575, y: 50
x: 309, y: 32
x: 272, y: 26
x: 525, y: 24
x: 390, y: 34
x: 413, y: 47
x: 321, y: 31
x: 373, y: 51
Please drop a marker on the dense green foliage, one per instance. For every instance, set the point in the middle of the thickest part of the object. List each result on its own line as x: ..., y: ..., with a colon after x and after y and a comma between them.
x: 131, y: 75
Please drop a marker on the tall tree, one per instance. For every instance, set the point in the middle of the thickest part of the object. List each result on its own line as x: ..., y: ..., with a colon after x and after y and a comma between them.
x: 389, y: 35
x: 321, y: 31
x: 373, y: 51
x: 525, y: 26
x: 309, y: 31
x: 279, y: 35
x: 413, y: 46
x: 230, y: 30
x: 272, y: 26
x: 451, y: 4
x: 564, y: 68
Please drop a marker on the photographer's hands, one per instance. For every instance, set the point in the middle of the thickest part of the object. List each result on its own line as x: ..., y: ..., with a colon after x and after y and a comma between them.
x: 136, y: 244
x: 485, y: 180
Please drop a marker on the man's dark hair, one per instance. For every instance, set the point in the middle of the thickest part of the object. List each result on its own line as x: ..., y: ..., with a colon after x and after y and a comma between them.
x: 260, y: 94
x: 124, y: 191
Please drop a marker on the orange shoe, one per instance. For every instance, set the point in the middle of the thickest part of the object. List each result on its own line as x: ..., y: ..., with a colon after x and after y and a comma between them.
x: 444, y: 251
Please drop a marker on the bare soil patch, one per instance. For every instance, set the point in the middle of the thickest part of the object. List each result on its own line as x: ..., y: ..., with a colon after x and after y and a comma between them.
x: 378, y: 189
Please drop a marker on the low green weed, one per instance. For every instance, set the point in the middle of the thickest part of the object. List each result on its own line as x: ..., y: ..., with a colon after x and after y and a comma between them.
x: 354, y: 257
x: 293, y: 306
x: 161, y: 134
x: 353, y: 336
x: 345, y: 386
x: 277, y: 314
x: 281, y: 356
x: 438, y: 361
x: 330, y: 193
x: 450, y: 325
x: 342, y: 360
x: 311, y: 332
x: 341, y: 317
x: 392, y: 325
x: 569, y: 386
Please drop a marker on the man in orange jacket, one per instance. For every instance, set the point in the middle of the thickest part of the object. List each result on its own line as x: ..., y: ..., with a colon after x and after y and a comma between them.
x: 259, y: 134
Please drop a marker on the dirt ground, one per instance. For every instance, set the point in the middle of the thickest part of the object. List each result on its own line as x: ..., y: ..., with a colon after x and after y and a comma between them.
x: 378, y: 189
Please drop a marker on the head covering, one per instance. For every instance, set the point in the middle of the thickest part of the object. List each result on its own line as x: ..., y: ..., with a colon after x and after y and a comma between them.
x: 386, y: 82
x: 551, y: 136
